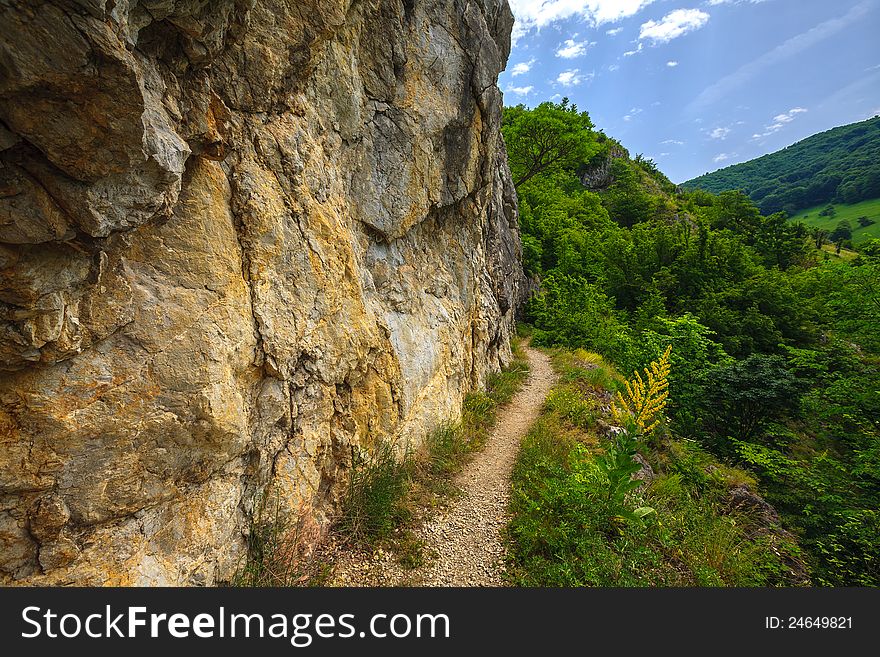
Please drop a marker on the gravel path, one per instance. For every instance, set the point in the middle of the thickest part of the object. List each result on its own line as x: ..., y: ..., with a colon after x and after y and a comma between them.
x: 465, y: 538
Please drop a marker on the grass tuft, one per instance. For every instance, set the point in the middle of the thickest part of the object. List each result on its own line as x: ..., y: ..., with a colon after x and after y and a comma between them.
x: 374, y: 503
x: 279, y: 547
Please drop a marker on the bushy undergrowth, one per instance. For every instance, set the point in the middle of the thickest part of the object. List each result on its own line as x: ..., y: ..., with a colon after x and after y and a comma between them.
x: 579, y: 520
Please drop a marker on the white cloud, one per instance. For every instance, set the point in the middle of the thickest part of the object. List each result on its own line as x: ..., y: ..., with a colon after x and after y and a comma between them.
x: 613, y: 67
x: 673, y: 25
x: 672, y: 64
x: 571, y: 49
x: 779, y: 122
x: 721, y: 157
x: 719, y: 133
x: 794, y: 46
x: 789, y: 116
x: 538, y: 13
x: 614, y: 31
x: 531, y: 14
x: 674, y: 142
x: 634, y: 112
x: 569, y: 78
x: 630, y: 53
x: 519, y: 91
x: 522, y: 68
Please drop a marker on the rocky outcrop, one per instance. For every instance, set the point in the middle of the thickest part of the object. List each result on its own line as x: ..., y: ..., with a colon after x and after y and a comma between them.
x: 760, y: 520
x: 239, y: 239
x: 597, y: 175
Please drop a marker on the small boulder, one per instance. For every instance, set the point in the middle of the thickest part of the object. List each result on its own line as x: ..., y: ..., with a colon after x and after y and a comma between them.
x: 742, y: 498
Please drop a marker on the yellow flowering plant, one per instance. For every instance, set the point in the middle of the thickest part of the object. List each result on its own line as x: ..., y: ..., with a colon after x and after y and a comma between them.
x: 646, y: 397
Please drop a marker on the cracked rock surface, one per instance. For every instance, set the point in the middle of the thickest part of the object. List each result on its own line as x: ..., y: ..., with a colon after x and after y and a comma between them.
x: 239, y: 241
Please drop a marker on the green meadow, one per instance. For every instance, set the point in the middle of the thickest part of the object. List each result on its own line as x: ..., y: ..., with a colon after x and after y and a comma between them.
x: 851, y: 213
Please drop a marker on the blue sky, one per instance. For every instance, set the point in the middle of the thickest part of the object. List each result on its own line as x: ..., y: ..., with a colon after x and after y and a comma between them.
x: 704, y: 84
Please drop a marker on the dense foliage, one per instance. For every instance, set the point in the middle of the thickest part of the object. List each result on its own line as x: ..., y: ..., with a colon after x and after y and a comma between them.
x: 841, y: 165
x: 580, y: 518
x: 775, y: 348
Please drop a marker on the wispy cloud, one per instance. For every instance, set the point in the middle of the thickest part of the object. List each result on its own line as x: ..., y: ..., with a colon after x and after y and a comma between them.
x: 788, y: 117
x: 779, y: 122
x: 721, y: 157
x: 634, y: 112
x: 570, y: 78
x: 719, y: 133
x: 522, y: 68
x: 614, y: 31
x: 714, y: 3
x: 782, y: 52
x: 672, y: 142
x: 672, y: 63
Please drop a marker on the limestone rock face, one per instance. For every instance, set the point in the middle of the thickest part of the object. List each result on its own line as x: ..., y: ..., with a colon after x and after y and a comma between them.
x: 240, y: 240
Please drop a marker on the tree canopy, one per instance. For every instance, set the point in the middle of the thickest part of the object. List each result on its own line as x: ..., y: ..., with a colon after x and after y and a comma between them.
x: 549, y: 138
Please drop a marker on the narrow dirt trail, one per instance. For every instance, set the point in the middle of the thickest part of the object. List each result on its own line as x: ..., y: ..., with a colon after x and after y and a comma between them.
x: 465, y: 539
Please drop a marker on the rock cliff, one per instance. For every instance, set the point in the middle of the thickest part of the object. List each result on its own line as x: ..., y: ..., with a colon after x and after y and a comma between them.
x: 239, y: 239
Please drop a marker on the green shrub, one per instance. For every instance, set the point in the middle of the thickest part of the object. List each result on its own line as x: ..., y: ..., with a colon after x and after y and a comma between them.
x: 374, y: 500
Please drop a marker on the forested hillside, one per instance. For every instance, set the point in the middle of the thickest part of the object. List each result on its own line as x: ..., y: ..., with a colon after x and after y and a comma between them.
x: 838, y: 166
x: 775, y: 352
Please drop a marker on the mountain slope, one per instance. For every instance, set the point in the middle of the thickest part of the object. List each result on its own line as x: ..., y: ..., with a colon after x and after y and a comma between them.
x: 773, y: 368
x: 841, y: 165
